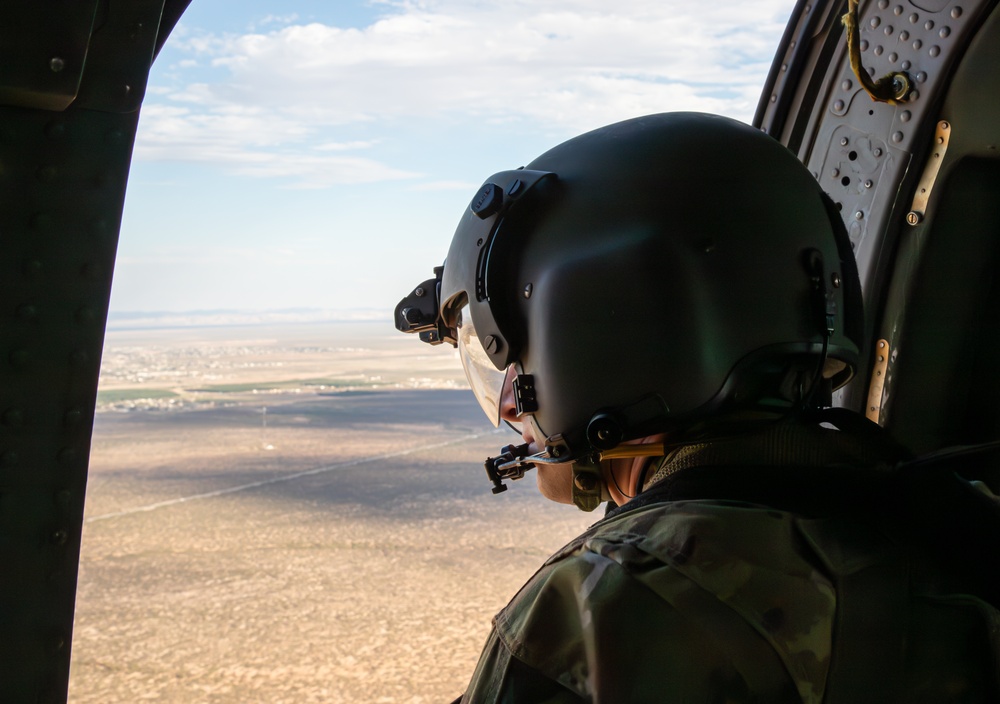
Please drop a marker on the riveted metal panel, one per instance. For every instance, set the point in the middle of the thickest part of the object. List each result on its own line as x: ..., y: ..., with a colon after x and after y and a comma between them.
x: 867, y: 155
x: 62, y: 188
x: 43, y: 50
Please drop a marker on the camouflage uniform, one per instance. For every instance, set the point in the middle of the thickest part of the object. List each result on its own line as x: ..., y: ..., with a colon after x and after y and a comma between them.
x: 729, y: 601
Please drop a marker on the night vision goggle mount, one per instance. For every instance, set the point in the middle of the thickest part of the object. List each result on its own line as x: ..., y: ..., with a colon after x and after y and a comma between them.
x: 420, y: 312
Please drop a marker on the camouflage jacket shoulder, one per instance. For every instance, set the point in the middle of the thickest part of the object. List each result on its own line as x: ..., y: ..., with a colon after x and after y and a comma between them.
x: 722, y: 601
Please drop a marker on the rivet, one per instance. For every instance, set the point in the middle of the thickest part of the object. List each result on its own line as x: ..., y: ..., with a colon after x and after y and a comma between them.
x: 13, y: 417
x: 881, y: 344
x: 929, y: 25
x: 882, y: 4
x: 835, y: 279
x: 914, y: 18
x: 921, y: 76
x: 874, y: 22
x: 56, y: 64
x: 888, y: 30
x: 892, y: 57
x: 868, y: 183
x: 859, y: 215
x: 846, y: 85
x: 419, y: 291
x: 99, y: 227
x: 914, y: 95
x: 904, y: 36
x: 835, y: 173
x: 905, y: 65
x: 878, y: 50
x: 554, y: 451
x: 491, y: 344
x: 60, y: 537
x: 838, y: 105
x: 905, y: 116
x: 956, y: 12
x: 877, y: 152
x: 40, y: 221
x: 917, y: 44
x: 127, y: 89
x: 864, y: 45
x: 897, y: 137
x: 784, y: 67
x: 55, y: 130
x: 73, y: 416
x: 844, y: 141
x: 934, y: 51
x: 19, y: 357
x: 945, y: 31
x: 897, y: 10
x: 91, y: 270
x: 527, y: 290
x: 774, y: 98
x: 479, y: 242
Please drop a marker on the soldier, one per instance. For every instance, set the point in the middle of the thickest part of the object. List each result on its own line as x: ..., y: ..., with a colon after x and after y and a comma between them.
x: 662, y: 308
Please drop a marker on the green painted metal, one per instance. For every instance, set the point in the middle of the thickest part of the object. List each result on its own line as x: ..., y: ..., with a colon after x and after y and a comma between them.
x: 65, y: 149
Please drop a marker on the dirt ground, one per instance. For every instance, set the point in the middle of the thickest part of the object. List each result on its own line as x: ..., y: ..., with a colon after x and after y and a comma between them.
x: 342, y: 546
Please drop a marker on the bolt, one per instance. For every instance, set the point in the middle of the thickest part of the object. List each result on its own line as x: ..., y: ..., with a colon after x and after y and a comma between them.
x: 419, y: 291
x: 868, y: 183
x: 877, y: 152
x: 56, y: 64
x: 913, y: 217
x: 844, y: 141
x: 859, y: 215
x: 491, y: 344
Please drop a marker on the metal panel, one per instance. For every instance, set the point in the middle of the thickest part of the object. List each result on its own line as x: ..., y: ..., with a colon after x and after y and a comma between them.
x: 42, y: 51
x: 62, y: 189
x: 868, y: 155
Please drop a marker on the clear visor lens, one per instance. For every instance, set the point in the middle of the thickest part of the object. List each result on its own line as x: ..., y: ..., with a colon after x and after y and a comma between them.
x: 485, y: 379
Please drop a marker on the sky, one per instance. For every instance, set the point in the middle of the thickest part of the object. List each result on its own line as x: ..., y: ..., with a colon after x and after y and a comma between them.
x: 317, y: 154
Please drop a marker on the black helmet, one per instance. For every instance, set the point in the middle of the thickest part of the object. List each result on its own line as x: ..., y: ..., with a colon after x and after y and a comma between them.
x: 647, y: 275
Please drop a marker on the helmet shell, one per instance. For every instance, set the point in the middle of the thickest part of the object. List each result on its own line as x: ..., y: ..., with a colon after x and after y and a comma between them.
x: 670, y: 257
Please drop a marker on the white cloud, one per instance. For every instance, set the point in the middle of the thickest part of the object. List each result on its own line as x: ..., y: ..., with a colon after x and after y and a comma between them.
x: 566, y: 65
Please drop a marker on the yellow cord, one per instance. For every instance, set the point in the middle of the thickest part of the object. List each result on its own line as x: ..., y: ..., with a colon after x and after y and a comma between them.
x: 653, y: 449
x: 893, y: 87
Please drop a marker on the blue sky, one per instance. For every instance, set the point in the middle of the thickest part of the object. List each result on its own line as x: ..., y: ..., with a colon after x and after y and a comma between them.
x: 317, y: 154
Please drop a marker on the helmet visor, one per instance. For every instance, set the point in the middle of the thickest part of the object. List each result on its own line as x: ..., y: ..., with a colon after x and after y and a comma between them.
x: 484, y: 378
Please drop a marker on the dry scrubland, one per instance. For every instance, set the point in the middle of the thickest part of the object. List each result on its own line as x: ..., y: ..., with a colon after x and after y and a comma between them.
x: 341, y: 547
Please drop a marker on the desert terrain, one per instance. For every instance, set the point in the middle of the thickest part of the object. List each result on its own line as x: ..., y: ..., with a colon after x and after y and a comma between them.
x: 294, y: 514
